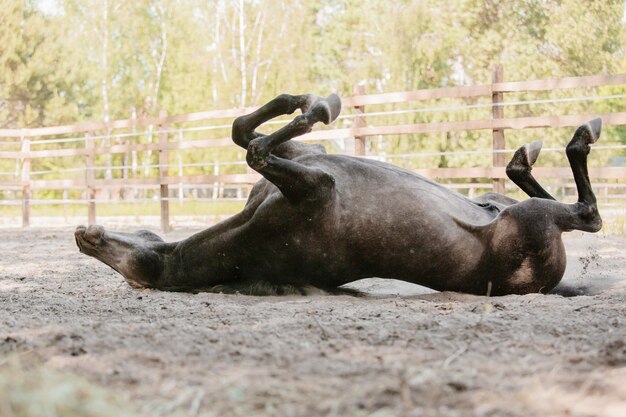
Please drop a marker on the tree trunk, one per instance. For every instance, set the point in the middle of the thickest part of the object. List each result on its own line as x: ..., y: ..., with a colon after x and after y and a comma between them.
x: 242, y: 55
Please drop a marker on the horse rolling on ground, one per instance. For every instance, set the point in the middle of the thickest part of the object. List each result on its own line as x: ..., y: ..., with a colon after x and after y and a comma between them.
x: 318, y: 221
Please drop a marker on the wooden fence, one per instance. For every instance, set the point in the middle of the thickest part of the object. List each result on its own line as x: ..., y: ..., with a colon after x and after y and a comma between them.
x: 357, y: 134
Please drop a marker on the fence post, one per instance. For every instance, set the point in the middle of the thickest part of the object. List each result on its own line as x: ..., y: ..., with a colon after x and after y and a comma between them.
x: 25, y: 181
x: 163, y: 172
x: 497, y: 76
x: 359, y: 121
x: 90, y: 178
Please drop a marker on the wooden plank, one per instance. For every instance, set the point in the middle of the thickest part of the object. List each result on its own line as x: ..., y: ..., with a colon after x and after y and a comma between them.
x: 185, y: 179
x: 90, y: 179
x: 224, y: 178
x: 329, y: 134
x: 428, y: 127
x: 119, y: 182
x: 10, y: 154
x: 26, y: 182
x: 14, y: 133
x: 78, y: 184
x: 594, y: 173
x: 202, y: 143
x: 485, y: 89
x: 359, y: 122
x: 59, y: 153
x: 211, y: 114
x: 608, y: 119
x: 465, y: 186
x: 138, y: 147
x: 133, y: 123
x: 194, y: 144
x: 163, y: 173
x: 91, y: 127
x: 451, y: 173
x: 603, y: 184
x: 560, y: 83
x: 498, y: 143
x: 17, y: 185
x: 405, y: 96
x: 540, y: 172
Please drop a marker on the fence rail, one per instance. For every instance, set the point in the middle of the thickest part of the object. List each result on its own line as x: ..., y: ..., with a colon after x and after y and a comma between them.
x: 82, y: 141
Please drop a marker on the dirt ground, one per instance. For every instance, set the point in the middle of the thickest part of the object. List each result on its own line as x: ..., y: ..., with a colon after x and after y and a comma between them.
x: 401, y: 351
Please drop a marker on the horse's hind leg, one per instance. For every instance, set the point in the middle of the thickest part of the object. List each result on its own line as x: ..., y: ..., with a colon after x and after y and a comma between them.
x: 520, y: 167
x: 295, y: 180
x: 577, y: 150
x: 582, y: 215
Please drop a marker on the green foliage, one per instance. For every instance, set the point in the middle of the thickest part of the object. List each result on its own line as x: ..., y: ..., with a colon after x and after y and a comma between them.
x: 40, y: 82
x: 99, y: 59
x: 67, y: 61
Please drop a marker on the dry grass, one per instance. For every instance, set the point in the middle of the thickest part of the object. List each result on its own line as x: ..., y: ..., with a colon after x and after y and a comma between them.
x: 36, y: 391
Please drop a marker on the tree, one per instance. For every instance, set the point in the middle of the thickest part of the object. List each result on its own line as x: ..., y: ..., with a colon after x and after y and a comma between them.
x: 40, y: 83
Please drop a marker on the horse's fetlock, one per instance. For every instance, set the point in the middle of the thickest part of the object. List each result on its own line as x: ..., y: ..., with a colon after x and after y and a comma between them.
x: 515, y: 171
x: 577, y: 147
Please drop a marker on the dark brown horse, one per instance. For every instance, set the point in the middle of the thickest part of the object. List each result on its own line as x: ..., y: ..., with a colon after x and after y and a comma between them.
x: 321, y: 221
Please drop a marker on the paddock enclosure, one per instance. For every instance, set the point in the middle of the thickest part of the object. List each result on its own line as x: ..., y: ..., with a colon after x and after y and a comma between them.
x: 71, y: 330
x: 184, y: 167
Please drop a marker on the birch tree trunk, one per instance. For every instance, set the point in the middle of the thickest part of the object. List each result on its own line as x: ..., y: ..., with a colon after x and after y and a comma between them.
x: 106, y: 112
x: 260, y: 26
x: 163, y: 13
x: 163, y: 17
x: 242, y: 54
x: 105, y: 60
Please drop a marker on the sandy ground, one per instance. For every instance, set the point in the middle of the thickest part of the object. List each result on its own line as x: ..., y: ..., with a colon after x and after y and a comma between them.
x: 401, y: 351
